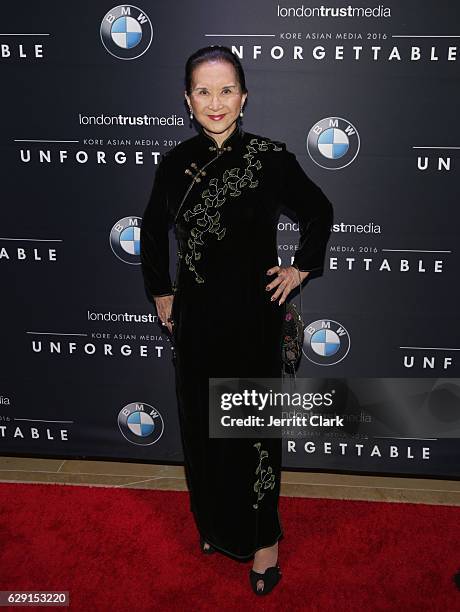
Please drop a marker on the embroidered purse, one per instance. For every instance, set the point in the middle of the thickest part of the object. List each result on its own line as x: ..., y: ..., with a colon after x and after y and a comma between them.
x: 292, y: 335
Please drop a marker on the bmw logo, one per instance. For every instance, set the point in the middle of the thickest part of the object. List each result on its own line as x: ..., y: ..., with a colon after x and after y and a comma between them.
x: 326, y: 342
x: 140, y: 423
x: 125, y: 239
x: 126, y: 32
x: 333, y: 143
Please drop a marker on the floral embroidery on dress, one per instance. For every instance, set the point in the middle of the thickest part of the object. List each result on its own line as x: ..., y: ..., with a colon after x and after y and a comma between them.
x: 266, y: 478
x: 233, y: 181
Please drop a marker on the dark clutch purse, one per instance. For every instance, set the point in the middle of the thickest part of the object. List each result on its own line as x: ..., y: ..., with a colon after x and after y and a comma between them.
x: 292, y: 335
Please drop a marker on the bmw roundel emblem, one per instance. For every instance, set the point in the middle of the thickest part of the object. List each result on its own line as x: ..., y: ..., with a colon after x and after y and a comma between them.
x: 326, y: 342
x: 141, y: 423
x: 125, y: 239
x: 126, y: 32
x: 333, y: 143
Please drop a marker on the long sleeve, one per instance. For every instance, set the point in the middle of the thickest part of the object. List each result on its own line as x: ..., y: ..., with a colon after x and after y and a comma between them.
x: 314, y: 213
x: 154, y: 238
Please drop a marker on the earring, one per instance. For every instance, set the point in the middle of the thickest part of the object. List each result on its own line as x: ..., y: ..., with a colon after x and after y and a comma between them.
x: 241, y: 112
x: 191, y: 113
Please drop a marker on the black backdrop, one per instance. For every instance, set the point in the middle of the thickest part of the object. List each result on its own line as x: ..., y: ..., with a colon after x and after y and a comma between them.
x: 367, y: 100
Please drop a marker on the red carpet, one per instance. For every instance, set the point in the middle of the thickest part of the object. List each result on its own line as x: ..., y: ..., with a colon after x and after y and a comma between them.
x: 136, y: 550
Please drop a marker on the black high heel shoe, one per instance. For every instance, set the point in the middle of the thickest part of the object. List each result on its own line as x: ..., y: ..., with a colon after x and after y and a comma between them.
x: 206, y: 551
x: 270, y: 578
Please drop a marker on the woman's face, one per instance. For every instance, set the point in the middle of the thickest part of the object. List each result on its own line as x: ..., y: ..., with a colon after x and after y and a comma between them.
x: 216, y: 98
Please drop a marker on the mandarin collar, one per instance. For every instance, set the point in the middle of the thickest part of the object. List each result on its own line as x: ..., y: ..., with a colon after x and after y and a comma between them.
x: 229, y: 142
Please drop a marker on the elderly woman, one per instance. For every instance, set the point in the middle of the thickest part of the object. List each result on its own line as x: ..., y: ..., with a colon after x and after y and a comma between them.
x: 223, y: 191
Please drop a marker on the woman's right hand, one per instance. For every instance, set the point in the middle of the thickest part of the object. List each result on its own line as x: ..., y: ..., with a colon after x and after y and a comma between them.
x: 163, y: 305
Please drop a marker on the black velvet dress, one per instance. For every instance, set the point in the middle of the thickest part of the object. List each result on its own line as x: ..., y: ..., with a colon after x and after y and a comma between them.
x: 224, y: 203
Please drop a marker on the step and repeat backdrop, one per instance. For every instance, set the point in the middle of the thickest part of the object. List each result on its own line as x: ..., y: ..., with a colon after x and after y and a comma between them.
x: 366, y: 96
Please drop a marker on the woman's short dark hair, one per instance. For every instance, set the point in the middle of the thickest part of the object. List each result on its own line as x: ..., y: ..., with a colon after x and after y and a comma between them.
x: 213, y: 53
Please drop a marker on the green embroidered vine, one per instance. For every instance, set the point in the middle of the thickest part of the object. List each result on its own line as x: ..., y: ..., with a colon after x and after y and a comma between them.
x: 266, y: 478
x: 215, y: 195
